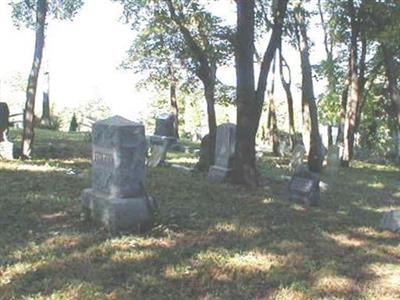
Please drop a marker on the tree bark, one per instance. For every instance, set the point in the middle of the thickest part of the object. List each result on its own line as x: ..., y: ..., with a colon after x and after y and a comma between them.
x: 315, y: 157
x: 272, y: 120
x: 354, y: 92
x: 174, y: 106
x: 244, y: 169
x: 209, y: 90
x: 206, y: 72
x: 394, y: 92
x: 286, y: 86
x: 28, y: 132
x: 250, y: 102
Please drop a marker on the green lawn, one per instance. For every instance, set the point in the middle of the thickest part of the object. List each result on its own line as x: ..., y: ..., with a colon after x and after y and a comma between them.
x: 211, y: 241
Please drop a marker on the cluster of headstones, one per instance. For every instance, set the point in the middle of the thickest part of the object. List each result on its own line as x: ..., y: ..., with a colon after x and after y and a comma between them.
x: 6, y: 147
x: 118, y: 198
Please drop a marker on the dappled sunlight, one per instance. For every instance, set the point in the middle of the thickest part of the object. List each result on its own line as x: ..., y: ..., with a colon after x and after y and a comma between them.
x: 246, y: 231
x: 331, y: 284
x: 256, y: 261
x: 347, y: 240
x: 388, y: 278
x: 208, y: 237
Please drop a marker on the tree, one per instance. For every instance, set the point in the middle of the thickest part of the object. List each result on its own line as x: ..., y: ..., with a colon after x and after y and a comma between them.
x: 309, y: 107
x: 250, y: 101
x: 202, y: 43
x: 33, y: 15
x: 286, y: 84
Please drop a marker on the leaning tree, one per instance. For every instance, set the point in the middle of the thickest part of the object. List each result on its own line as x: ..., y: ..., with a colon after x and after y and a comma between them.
x: 34, y: 14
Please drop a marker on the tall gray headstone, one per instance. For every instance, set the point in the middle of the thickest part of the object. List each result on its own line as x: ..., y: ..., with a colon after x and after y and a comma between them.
x: 296, y: 163
x: 117, y: 198
x: 224, y: 151
x: 6, y: 147
x: 165, y: 125
x: 4, y: 120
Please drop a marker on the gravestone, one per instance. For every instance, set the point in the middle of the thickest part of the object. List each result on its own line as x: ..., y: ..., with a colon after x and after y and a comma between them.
x: 304, y: 187
x: 165, y: 125
x: 296, y: 162
x: 333, y: 160
x: 6, y: 147
x: 204, y: 160
x: 224, y: 151
x: 391, y: 221
x: 159, y: 146
x: 117, y: 198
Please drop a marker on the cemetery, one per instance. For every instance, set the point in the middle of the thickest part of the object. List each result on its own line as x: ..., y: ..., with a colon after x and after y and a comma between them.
x: 202, y: 196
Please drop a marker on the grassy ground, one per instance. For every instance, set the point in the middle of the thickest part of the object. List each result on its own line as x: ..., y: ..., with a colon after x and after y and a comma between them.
x: 211, y: 241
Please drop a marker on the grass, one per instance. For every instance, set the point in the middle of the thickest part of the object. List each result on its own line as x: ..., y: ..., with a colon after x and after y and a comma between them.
x: 211, y: 240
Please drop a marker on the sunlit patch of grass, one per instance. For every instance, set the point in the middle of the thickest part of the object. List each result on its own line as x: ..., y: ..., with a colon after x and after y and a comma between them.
x: 255, y: 261
x: 347, y: 240
x: 210, y: 241
x: 387, y: 281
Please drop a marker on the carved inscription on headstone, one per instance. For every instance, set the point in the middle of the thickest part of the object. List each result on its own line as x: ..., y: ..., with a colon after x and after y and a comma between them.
x: 103, y: 157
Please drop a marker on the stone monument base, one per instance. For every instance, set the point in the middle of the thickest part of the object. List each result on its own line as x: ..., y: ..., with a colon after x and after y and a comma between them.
x: 118, y: 214
x: 6, y: 150
x: 218, y: 173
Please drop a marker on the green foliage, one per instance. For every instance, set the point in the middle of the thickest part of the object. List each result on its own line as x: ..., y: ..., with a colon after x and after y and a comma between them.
x: 24, y: 11
x: 73, y: 126
x: 161, y: 52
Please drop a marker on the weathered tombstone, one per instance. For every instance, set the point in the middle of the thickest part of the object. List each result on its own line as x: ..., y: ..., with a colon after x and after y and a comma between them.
x: 304, y: 187
x: 391, y: 221
x: 204, y: 160
x: 117, y: 198
x: 296, y: 162
x: 165, y: 125
x: 333, y: 160
x: 6, y: 147
x: 4, y: 120
x: 159, y: 146
x: 224, y: 151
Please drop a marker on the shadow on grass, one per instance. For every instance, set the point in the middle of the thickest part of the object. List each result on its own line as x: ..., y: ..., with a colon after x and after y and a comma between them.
x: 211, y: 240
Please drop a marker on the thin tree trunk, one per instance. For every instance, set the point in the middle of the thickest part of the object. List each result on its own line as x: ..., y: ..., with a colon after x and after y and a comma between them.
x: 209, y: 93
x: 330, y: 137
x: 244, y: 169
x: 286, y: 86
x: 28, y: 133
x: 354, y: 95
x: 308, y: 99
x: 274, y: 43
x: 174, y: 106
x: 272, y: 120
x: 343, y: 105
x: 394, y: 92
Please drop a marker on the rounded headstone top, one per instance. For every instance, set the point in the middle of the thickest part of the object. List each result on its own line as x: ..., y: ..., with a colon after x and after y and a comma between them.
x: 117, y: 121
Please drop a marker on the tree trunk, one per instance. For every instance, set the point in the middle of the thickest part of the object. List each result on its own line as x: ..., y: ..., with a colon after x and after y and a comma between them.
x: 244, y: 169
x: 354, y: 93
x: 308, y: 99
x: 343, y: 105
x: 286, y: 86
x: 274, y: 43
x: 330, y: 137
x: 394, y: 92
x: 28, y: 132
x: 272, y: 120
x: 209, y: 93
x: 174, y: 106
